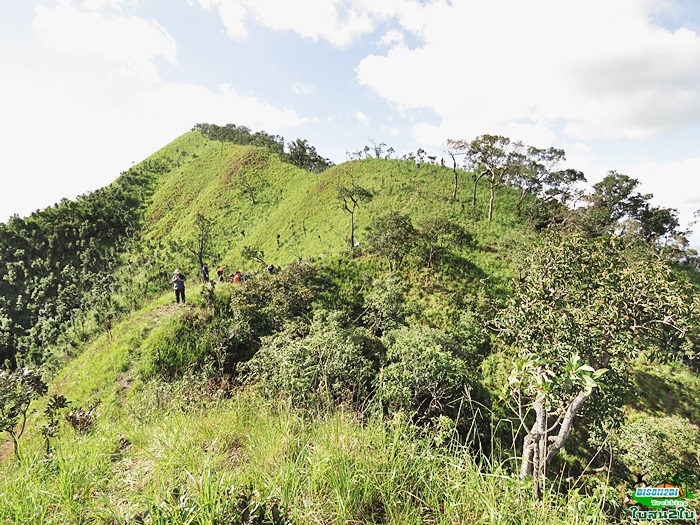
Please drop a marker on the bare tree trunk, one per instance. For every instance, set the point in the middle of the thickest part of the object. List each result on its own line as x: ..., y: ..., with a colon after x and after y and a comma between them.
x: 492, y: 187
x: 567, y: 424
x: 352, y: 231
x: 539, y: 450
x: 526, y: 463
x: 454, y: 170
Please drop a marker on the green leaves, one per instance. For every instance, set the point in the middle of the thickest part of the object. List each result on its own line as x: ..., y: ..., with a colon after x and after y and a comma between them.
x: 584, y: 311
x: 17, y: 390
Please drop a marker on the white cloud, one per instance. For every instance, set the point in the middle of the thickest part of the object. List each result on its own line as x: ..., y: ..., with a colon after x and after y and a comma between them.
x: 301, y: 88
x: 127, y: 46
x: 98, y: 5
x: 83, y: 104
x: 362, y: 118
x: 594, y: 70
x: 339, y: 22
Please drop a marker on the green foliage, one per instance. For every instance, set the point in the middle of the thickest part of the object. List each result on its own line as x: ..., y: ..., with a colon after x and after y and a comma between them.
x: 52, y: 413
x: 176, y: 344
x: 201, y: 244
x: 328, y: 365
x: 53, y: 261
x: 304, y: 156
x: 170, y: 378
x: 584, y: 311
x: 350, y: 199
x: 391, y: 236
x: 385, y: 304
x: 241, y: 135
x: 270, y: 303
x: 439, y: 234
x: 427, y: 375
x: 214, y: 503
x: 18, y: 389
x: 253, y: 254
x: 658, y: 448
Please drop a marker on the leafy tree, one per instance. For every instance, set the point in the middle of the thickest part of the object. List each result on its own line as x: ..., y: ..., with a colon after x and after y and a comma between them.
x: 492, y: 156
x: 657, y: 223
x: 253, y: 254
x: 247, y: 186
x: 303, y: 155
x: 385, y: 305
x: 378, y: 150
x: 658, y: 448
x: 329, y: 364
x: 613, y: 199
x: 535, y: 170
x: 350, y: 199
x: 437, y: 235
x: 614, y: 203
x: 392, y: 236
x: 241, y: 135
x: 18, y: 389
x: 582, y: 313
x: 559, y: 186
x: 428, y: 376
x: 202, y: 243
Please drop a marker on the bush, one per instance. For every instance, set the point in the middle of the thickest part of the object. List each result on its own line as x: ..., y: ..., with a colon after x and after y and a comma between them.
x: 658, y: 448
x: 329, y: 364
x: 427, y: 375
x: 385, y: 304
x: 178, y: 343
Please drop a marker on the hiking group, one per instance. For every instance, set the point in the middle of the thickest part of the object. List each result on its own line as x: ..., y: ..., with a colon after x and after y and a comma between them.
x: 179, y: 278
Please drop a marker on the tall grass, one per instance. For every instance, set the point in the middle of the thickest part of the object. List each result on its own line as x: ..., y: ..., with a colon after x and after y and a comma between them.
x: 177, y: 460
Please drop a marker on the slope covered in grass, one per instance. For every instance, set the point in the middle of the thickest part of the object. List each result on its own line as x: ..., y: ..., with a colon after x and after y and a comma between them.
x: 254, y: 199
x: 196, y: 443
x: 189, y: 452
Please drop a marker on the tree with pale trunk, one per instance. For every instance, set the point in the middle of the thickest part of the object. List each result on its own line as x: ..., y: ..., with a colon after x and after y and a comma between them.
x: 583, y: 312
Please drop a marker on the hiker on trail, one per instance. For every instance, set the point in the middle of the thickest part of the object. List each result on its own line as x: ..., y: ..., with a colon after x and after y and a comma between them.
x: 237, y: 277
x: 205, y: 273
x: 179, y: 286
x: 220, y: 272
x: 271, y: 269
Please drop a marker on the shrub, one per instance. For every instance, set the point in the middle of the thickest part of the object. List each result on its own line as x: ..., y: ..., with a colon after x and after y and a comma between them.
x: 329, y: 364
x: 658, y: 448
x: 176, y: 344
x: 427, y: 375
x: 385, y: 304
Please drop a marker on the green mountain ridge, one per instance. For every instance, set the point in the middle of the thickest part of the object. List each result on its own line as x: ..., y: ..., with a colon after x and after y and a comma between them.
x: 202, y: 446
x: 296, y: 214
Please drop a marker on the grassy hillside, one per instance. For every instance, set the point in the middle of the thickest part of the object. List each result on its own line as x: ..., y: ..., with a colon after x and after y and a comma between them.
x: 188, y: 452
x: 296, y: 214
x: 200, y: 442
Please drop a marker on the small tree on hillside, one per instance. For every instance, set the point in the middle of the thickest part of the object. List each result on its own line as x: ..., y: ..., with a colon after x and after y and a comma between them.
x: 439, y: 234
x: 462, y: 147
x: 453, y: 149
x: 303, y: 155
x: 392, y: 236
x: 535, y: 171
x: 350, y: 199
x: 584, y: 311
x: 17, y: 390
x: 202, y: 242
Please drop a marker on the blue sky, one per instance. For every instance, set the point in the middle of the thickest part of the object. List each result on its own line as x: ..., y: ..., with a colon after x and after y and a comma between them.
x: 91, y: 86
